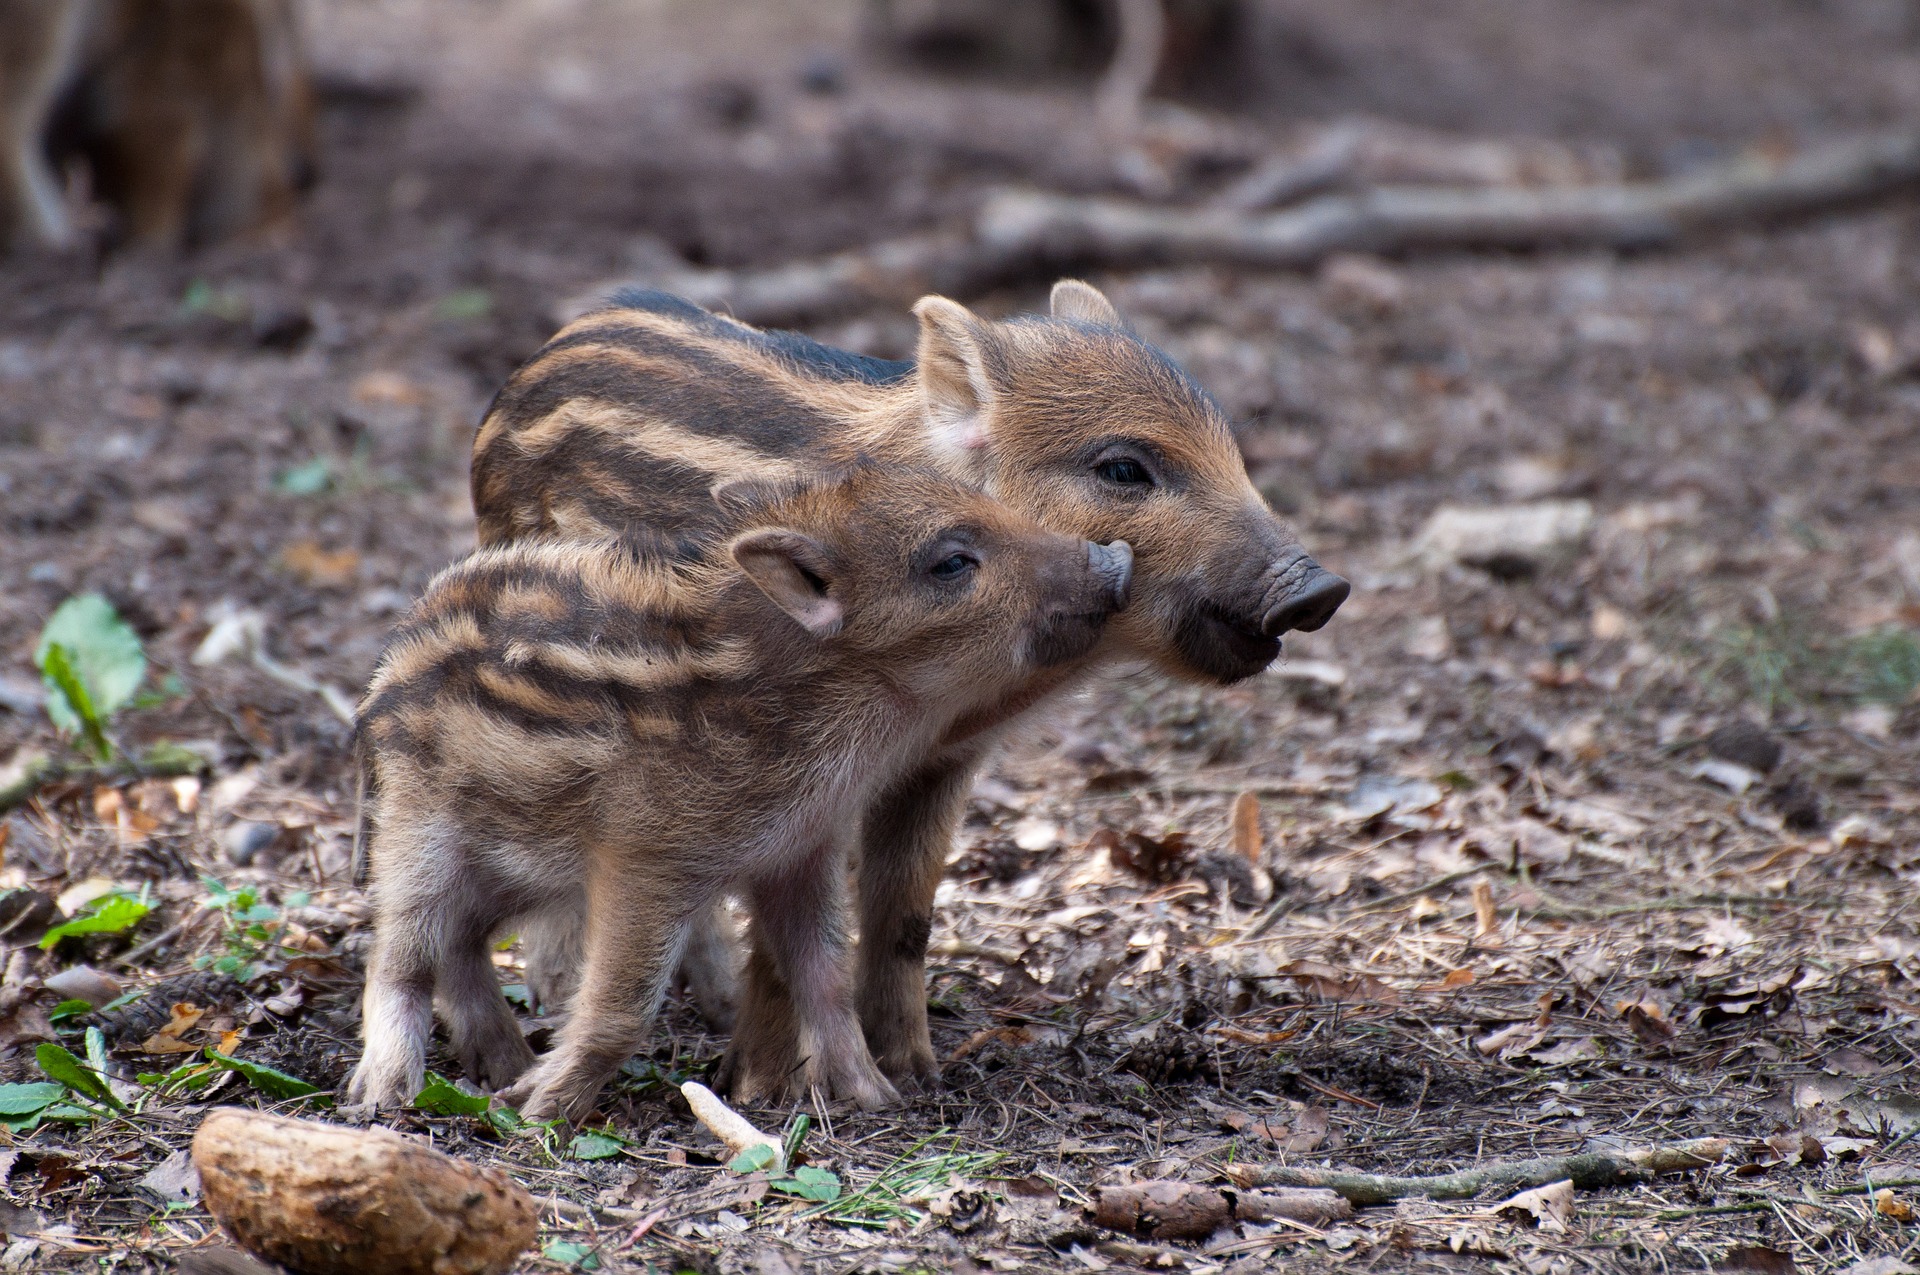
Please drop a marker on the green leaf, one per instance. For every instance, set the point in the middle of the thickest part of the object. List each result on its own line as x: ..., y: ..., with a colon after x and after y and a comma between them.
x: 96, y: 1050
x: 595, y: 1146
x: 440, y: 1097
x: 796, y: 1134
x: 191, y: 1076
x: 466, y: 303
x: 69, y: 705
x: 18, y: 1101
x: 67, y: 1011
x: 307, y: 479
x: 268, y: 1080
x: 115, y: 914
x: 103, y: 654
x: 573, y: 1253
x: 755, y: 1158
x: 809, y: 1183
x: 62, y: 1066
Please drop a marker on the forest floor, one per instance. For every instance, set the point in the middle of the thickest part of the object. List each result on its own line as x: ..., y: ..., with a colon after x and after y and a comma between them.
x: 1614, y: 842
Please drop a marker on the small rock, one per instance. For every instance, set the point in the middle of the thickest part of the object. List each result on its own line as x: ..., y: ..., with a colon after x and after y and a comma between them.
x: 1362, y: 285
x: 25, y: 914
x: 245, y: 840
x: 1507, y: 542
x: 1875, y: 721
x: 83, y: 983
x: 174, y: 1180
x: 1730, y: 775
x: 280, y: 324
x: 336, y: 1201
x: 823, y: 74
x: 1745, y: 744
x: 1798, y: 805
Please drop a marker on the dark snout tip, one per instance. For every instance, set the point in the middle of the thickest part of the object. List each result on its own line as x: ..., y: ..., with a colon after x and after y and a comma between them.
x: 1309, y: 606
x: 1113, y: 566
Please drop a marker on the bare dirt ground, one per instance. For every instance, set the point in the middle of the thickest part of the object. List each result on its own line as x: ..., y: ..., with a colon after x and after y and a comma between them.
x: 1513, y: 895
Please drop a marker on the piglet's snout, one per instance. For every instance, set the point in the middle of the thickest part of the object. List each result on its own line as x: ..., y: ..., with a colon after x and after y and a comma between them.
x: 1112, y: 567
x: 1078, y: 593
x: 1304, y: 597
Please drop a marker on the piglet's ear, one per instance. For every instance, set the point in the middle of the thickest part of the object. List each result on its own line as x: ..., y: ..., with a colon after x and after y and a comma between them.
x: 953, y: 376
x: 796, y: 572
x: 1083, y: 303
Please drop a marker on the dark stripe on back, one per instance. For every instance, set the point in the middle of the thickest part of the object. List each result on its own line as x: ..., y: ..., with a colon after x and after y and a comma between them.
x: 796, y: 348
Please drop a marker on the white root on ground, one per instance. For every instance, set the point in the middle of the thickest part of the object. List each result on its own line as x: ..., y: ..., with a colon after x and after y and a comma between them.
x: 728, y: 1125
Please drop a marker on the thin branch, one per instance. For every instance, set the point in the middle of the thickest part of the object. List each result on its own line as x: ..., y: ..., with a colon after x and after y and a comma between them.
x: 1589, y: 1171
x: 1021, y: 233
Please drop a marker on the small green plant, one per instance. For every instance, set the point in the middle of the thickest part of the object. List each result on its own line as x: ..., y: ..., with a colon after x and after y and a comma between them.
x: 75, y: 1090
x: 309, y: 478
x: 93, y: 663
x: 889, y: 1196
x: 254, y: 928
x: 441, y: 1097
x: 203, y: 297
x: 1885, y: 664
x: 1791, y: 661
x: 581, y: 1257
x: 115, y: 913
x: 464, y: 304
x: 270, y: 1081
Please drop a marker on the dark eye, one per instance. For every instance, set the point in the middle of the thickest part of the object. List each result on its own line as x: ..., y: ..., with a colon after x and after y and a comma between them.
x: 1124, y: 472
x: 954, y: 566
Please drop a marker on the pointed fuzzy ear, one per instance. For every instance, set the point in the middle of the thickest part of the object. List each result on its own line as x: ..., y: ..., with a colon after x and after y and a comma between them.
x: 796, y: 572
x: 1083, y: 303
x: 953, y: 374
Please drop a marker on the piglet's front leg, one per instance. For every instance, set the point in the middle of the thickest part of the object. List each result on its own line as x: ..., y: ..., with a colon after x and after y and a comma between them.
x: 799, y: 934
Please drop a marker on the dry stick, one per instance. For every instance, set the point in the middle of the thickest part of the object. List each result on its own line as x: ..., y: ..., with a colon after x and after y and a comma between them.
x: 1283, y: 179
x: 1390, y: 219
x: 43, y: 772
x: 1018, y: 233
x: 1589, y: 1171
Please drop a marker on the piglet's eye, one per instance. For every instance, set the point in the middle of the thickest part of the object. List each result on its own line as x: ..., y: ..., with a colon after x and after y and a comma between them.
x: 1124, y: 472
x: 953, y: 566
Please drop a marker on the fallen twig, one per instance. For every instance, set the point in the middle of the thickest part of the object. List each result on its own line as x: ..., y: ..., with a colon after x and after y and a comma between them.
x: 42, y: 771
x: 1589, y: 1171
x: 1186, y: 1211
x: 1392, y: 219
x: 1021, y: 232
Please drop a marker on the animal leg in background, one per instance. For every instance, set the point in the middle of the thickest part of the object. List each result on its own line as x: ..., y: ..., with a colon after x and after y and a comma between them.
x: 38, y: 56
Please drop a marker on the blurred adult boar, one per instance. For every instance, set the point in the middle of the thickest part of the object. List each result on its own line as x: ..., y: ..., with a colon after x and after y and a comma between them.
x: 194, y: 118
x: 630, y: 417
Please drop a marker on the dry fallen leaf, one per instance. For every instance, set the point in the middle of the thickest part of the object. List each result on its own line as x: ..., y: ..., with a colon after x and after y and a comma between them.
x: 167, y: 1039
x: 1757, y: 1259
x: 1648, y: 1020
x: 320, y: 568
x: 1486, y: 917
x: 1550, y: 1206
x: 1246, y: 827
x: 1892, y: 1207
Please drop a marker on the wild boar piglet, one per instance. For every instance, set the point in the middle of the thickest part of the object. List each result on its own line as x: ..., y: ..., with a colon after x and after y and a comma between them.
x: 565, y: 721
